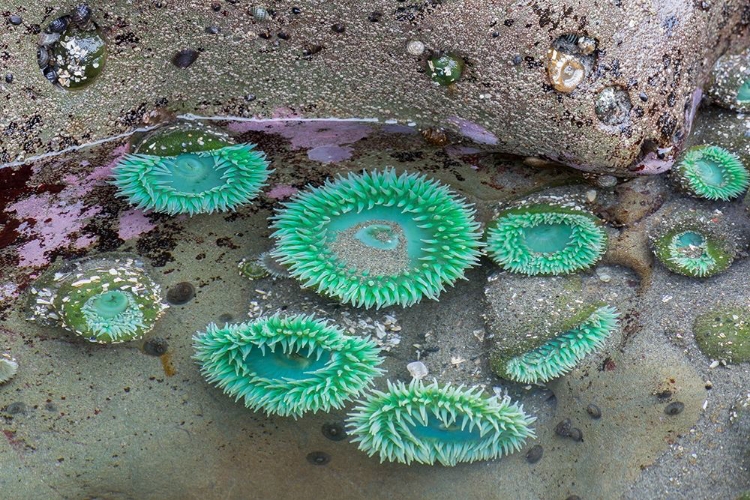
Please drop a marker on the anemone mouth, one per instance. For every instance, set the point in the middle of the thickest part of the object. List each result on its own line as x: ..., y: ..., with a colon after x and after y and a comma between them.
x: 193, y: 182
x: 546, y: 239
x: 694, y: 249
x: 688, y: 251
x: 377, y: 239
x: 287, y: 365
x: 712, y: 172
x: 428, y: 424
x: 561, y: 354
x: 104, y: 299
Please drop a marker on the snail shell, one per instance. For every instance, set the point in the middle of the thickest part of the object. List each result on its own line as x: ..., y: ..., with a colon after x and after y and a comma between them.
x: 565, y: 71
x: 260, y: 14
x: 42, y: 57
x: 59, y: 25
x: 81, y: 16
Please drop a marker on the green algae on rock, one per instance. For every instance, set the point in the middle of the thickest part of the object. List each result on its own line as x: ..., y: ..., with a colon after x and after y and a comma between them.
x: 693, y: 244
x: 287, y: 365
x: 723, y: 333
x: 432, y: 423
x: 546, y: 238
x: 107, y: 298
x: 445, y: 68
x: 711, y: 172
x: 377, y: 239
x: 188, y: 167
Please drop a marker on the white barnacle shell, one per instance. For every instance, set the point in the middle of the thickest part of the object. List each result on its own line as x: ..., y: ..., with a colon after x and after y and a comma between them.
x: 8, y: 368
x: 565, y: 71
x: 415, y: 47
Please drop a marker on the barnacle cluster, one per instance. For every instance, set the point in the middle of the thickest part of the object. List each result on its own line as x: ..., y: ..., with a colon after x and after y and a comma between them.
x: 287, y: 365
x: 71, y: 52
x: 377, y: 239
x: 104, y: 299
x: 433, y: 423
x: 546, y: 238
x: 188, y: 167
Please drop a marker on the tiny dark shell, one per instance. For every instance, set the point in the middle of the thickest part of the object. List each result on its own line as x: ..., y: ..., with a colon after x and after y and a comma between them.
x: 576, y: 434
x: 156, y: 346
x: 563, y: 428
x: 181, y: 293
x: 534, y: 454
x: 674, y: 408
x: 594, y: 411
x: 185, y: 58
x: 335, y: 431
x: 59, y: 25
x: 338, y: 28
x: 318, y: 458
x: 50, y: 74
x: 42, y: 57
x: 81, y: 15
x: 9, y: 78
x: 311, y: 50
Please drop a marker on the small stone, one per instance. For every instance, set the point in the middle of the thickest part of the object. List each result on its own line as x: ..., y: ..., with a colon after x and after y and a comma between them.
x: 15, y: 20
x: 563, y: 428
x: 185, y: 58
x: 674, y: 408
x: 296, y: 10
x: 594, y: 411
x: 576, y: 434
x: 338, y: 28
x: 9, y: 78
x: 534, y: 454
x: 318, y: 458
x: 181, y: 293
x: 212, y: 30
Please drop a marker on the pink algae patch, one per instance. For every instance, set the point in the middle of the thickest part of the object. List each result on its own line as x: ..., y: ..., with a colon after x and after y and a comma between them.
x: 133, y: 223
x: 308, y: 134
x: 281, y: 192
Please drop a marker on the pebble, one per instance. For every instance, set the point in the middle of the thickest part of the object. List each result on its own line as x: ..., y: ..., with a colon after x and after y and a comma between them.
x: 184, y: 58
x: 563, y: 428
x: 181, y: 293
x: 212, y: 30
x: 534, y: 454
x: 15, y: 20
x: 594, y: 411
x: 338, y: 28
x: 674, y: 408
x: 576, y: 434
x: 9, y: 78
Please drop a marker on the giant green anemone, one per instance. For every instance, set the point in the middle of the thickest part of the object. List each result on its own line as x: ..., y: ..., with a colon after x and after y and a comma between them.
x: 562, y: 353
x: 546, y: 239
x: 190, y: 168
x: 105, y: 299
x: 711, y: 172
x: 694, y: 245
x: 378, y: 238
x: 429, y: 423
x: 287, y: 365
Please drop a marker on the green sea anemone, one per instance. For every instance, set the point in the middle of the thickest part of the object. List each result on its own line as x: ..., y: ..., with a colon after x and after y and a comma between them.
x: 445, y: 68
x: 723, y: 333
x: 105, y: 299
x: 562, y: 353
x: 694, y: 245
x: 547, y: 239
x: 711, y: 172
x: 428, y: 424
x: 377, y: 239
x: 287, y: 365
x: 190, y: 168
x: 261, y: 266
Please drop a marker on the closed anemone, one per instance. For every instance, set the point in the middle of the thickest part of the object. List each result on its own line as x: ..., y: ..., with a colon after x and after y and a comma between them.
x: 546, y: 239
x: 711, y: 172
x: 694, y: 243
x: 377, y: 239
x: 562, y: 353
x: 287, y: 365
x: 104, y: 299
x: 190, y: 168
x: 429, y: 424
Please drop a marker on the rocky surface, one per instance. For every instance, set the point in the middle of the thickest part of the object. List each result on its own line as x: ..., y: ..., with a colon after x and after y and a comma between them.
x: 628, y: 114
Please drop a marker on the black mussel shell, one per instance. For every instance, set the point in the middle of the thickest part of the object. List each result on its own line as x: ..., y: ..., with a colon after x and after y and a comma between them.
x: 59, y: 25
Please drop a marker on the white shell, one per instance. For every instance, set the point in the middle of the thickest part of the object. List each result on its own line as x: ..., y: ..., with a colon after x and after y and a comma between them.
x: 415, y: 47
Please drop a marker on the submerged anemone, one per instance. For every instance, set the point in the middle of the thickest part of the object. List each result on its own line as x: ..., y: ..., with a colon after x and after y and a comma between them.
x: 711, y: 172
x: 261, y: 266
x: 730, y: 82
x: 445, y: 68
x: 723, y: 333
x: 694, y: 245
x: 287, y: 365
x: 104, y: 299
x: 562, y: 353
x: 428, y: 424
x: 190, y: 168
x: 377, y: 239
x: 546, y: 239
